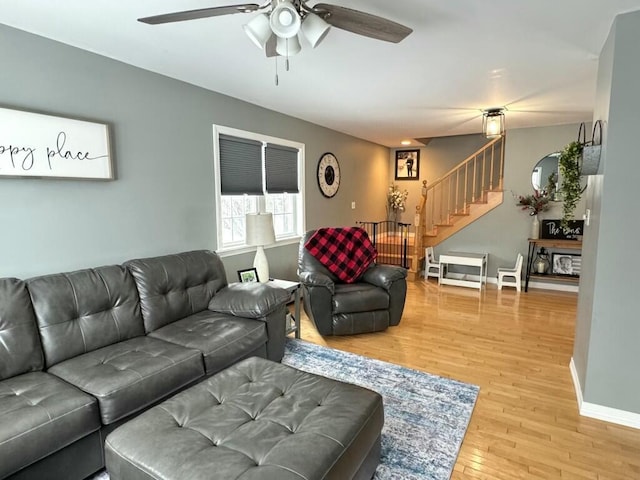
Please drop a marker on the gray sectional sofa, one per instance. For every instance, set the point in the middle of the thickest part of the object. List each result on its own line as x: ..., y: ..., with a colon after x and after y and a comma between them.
x: 83, y: 352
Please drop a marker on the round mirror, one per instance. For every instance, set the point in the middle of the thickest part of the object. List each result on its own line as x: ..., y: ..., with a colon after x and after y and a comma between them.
x: 544, y: 176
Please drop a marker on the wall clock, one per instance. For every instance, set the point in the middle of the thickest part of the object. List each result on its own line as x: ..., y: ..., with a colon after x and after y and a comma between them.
x: 328, y: 175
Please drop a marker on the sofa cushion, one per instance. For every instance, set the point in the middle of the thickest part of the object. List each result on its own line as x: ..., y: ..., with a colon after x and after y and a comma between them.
x: 346, y: 252
x: 81, y: 311
x: 20, y: 350
x: 172, y: 287
x: 40, y: 414
x: 359, y: 297
x: 222, y: 338
x: 126, y: 377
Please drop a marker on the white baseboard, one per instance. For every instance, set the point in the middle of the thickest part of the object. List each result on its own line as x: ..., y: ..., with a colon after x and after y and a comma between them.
x: 600, y: 412
x: 576, y: 383
x: 493, y: 280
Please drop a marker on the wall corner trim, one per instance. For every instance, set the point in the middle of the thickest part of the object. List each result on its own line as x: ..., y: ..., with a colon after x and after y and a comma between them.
x: 600, y: 412
x: 576, y: 384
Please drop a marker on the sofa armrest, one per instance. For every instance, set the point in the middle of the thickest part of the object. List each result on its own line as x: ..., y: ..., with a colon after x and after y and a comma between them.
x: 260, y: 302
x: 316, y: 279
x: 249, y: 300
x: 384, y: 276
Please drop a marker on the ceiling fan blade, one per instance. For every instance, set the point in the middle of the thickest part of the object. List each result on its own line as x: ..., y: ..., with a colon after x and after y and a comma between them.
x: 362, y: 23
x: 200, y: 13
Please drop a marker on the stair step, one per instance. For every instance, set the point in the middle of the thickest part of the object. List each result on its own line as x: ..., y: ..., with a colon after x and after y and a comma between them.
x: 461, y: 214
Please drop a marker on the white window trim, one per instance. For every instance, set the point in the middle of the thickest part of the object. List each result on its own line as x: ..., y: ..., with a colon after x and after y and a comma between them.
x: 300, y: 214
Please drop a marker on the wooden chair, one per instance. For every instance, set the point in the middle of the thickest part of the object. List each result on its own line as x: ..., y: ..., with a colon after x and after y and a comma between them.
x: 515, y: 272
x: 431, y: 264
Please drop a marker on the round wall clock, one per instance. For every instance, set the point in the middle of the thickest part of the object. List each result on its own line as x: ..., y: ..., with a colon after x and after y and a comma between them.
x: 328, y: 175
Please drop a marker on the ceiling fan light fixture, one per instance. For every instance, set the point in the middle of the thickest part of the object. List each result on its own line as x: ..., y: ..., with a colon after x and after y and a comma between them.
x: 285, y: 20
x: 259, y: 30
x: 288, y: 47
x: 314, y: 29
x: 493, y: 122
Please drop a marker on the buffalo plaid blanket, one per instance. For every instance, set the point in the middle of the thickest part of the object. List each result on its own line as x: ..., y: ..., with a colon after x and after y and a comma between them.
x: 346, y: 252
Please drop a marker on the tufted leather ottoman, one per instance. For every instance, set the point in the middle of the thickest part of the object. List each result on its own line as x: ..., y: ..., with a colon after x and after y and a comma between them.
x: 255, y: 420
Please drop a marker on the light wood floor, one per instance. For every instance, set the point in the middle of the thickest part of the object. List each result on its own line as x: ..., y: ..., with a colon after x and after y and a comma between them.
x: 517, y: 348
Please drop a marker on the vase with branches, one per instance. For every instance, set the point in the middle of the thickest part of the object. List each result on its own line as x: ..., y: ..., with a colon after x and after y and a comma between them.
x: 396, y: 200
x: 535, y: 203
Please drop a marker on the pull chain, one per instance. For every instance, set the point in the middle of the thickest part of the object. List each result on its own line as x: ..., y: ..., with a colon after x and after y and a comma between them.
x: 277, y: 71
x: 286, y: 59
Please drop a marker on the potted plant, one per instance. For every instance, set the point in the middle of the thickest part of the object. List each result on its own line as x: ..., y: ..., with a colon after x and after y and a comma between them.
x: 570, y: 188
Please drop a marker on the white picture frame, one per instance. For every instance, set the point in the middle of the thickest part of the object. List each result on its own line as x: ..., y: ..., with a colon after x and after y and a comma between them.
x: 40, y: 146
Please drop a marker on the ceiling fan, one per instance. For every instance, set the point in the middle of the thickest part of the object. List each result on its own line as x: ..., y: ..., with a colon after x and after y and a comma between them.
x: 278, y: 30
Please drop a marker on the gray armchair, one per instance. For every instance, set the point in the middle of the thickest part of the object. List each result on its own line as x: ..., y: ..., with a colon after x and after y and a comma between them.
x: 371, y: 304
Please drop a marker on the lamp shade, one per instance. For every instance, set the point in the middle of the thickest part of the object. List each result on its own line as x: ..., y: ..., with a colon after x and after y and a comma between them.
x: 285, y: 20
x: 260, y: 229
x: 314, y: 29
x: 287, y: 47
x: 258, y: 30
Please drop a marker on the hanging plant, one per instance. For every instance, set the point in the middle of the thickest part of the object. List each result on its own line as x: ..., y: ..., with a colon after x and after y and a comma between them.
x: 570, y: 188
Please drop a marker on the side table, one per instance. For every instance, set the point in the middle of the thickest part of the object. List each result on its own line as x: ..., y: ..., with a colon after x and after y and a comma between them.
x: 294, y: 289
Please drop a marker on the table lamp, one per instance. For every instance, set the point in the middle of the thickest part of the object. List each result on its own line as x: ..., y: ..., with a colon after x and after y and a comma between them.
x: 260, y: 233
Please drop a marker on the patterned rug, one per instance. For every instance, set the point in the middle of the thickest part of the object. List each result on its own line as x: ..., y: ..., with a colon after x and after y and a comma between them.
x: 426, y: 416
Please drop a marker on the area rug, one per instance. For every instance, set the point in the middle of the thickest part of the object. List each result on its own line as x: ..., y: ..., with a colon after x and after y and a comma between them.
x: 426, y: 416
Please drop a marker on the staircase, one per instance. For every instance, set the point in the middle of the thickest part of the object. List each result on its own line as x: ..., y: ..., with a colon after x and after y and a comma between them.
x: 461, y: 196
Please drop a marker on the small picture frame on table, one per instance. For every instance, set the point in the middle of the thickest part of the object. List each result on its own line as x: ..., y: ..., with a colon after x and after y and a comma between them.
x: 566, y: 264
x: 248, y: 275
x: 407, y: 165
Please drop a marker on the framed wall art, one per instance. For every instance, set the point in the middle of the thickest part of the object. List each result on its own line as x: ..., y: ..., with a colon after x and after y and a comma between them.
x: 407, y: 165
x: 37, y: 145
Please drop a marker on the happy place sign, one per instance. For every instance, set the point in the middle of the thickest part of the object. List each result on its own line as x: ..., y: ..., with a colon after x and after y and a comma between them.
x: 36, y: 145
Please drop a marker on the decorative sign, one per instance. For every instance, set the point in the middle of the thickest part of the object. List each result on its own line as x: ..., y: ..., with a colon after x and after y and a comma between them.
x: 35, y: 145
x: 552, y: 229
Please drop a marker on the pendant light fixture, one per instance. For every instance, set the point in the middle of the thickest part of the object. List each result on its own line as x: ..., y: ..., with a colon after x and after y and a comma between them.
x: 493, y: 122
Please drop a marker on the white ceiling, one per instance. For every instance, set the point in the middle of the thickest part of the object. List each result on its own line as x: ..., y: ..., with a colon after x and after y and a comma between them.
x: 538, y: 58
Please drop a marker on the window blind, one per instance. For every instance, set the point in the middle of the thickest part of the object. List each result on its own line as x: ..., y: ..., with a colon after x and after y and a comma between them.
x: 281, y: 167
x: 240, y: 166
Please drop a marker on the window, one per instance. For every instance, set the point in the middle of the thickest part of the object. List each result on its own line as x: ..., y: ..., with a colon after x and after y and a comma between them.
x: 257, y: 173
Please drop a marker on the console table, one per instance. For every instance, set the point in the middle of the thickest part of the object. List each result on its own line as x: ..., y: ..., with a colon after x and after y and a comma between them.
x: 478, y: 260
x: 534, y: 244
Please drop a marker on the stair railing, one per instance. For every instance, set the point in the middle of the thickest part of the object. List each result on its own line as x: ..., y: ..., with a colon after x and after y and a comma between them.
x: 466, y: 183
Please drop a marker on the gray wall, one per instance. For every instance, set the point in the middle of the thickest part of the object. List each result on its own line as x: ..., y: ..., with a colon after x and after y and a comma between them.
x: 606, y: 353
x: 162, y: 201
